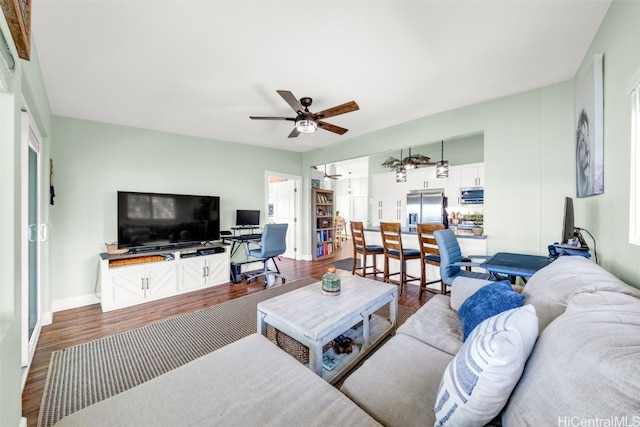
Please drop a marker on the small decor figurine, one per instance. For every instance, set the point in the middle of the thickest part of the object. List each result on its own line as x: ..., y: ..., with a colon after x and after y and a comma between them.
x: 331, y: 282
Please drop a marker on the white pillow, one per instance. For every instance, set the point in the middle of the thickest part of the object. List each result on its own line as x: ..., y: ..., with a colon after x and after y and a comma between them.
x: 479, y: 380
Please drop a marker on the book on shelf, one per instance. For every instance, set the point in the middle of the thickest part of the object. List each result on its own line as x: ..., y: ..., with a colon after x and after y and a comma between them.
x: 324, y: 249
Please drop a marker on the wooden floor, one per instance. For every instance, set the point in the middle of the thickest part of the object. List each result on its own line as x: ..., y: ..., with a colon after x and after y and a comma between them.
x: 80, y: 325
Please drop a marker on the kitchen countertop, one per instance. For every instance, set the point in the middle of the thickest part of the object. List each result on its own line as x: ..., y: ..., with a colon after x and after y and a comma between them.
x: 405, y: 230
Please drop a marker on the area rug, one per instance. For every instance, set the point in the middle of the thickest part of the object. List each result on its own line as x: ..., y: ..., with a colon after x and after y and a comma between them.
x: 345, y: 264
x: 85, y: 374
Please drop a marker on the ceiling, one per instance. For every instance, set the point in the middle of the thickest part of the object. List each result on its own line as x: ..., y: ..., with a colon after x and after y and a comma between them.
x: 201, y: 68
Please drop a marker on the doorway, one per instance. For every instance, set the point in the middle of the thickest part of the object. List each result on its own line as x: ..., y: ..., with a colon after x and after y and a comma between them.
x: 283, y: 207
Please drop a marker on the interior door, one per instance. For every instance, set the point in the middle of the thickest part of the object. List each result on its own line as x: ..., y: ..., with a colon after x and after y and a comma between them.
x: 283, y: 206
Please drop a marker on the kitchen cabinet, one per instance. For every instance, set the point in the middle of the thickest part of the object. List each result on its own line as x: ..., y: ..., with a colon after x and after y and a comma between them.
x: 452, y: 186
x: 389, y: 199
x: 472, y: 175
x: 424, y: 179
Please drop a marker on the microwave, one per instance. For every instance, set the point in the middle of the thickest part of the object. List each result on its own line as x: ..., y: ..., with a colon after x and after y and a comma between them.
x: 472, y: 195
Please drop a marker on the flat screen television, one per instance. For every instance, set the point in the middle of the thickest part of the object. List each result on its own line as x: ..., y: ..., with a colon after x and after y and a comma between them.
x: 246, y: 218
x: 568, y: 226
x: 163, y: 220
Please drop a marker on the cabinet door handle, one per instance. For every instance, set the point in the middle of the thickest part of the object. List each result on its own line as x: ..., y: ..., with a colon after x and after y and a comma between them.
x: 142, y: 283
x: 204, y: 272
x: 207, y: 271
x: 147, y: 283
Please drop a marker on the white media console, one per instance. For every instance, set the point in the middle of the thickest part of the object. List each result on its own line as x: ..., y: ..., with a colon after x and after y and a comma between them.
x: 131, y: 279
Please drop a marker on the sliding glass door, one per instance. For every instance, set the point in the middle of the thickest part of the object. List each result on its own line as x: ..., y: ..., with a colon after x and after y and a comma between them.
x: 34, y: 234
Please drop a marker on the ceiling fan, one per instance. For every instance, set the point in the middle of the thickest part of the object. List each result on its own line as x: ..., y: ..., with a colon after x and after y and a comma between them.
x: 326, y: 175
x: 308, y: 122
x: 334, y: 176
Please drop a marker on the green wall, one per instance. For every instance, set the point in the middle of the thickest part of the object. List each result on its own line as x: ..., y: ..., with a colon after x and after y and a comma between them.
x: 95, y: 160
x: 529, y: 154
x: 460, y: 150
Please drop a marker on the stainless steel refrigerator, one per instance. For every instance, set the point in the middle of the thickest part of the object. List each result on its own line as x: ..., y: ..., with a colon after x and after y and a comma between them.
x: 425, y: 206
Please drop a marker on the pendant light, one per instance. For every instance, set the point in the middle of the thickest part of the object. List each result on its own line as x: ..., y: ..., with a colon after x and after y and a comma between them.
x: 442, y: 167
x: 409, y: 164
x: 401, y: 172
x: 349, y: 189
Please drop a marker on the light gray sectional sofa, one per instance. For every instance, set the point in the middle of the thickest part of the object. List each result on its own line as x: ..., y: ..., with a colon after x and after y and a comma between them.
x: 585, y: 365
x: 584, y: 368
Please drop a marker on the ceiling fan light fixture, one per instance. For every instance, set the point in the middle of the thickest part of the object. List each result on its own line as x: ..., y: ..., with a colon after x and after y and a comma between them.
x: 305, y: 125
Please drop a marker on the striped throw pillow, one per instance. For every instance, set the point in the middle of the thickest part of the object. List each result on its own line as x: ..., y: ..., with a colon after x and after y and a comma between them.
x: 480, y: 378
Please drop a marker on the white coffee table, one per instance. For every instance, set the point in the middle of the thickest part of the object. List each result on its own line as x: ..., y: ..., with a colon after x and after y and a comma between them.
x: 315, y: 319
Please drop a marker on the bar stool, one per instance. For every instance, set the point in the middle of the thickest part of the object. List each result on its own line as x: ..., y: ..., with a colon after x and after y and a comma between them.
x: 361, y: 248
x: 430, y: 255
x: 392, y: 245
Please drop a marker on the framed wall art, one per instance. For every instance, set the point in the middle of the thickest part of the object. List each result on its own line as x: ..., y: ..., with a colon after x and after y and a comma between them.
x: 589, y: 133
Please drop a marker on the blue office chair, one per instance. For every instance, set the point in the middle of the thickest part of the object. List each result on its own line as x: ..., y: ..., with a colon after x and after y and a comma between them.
x: 272, y: 244
x: 452, y: 263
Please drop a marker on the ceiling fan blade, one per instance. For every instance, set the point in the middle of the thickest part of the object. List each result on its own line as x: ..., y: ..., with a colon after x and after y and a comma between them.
x: 291, y: 100
x: 347, y: 107
x: 294, y: 133
x: 272, y: 118
x: 332, y: 128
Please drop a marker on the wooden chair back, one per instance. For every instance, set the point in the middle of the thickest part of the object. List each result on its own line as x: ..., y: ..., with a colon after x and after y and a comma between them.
x: 391, y: 239
x: 357, y: 236
x: 428, y: 245
x: 430, y: 254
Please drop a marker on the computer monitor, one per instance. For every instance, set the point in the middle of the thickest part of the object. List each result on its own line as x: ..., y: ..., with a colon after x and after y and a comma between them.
x: 247, y: 218
x: 568, y: 226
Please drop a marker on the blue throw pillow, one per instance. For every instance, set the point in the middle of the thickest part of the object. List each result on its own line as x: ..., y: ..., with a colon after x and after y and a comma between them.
x: 488, y: 301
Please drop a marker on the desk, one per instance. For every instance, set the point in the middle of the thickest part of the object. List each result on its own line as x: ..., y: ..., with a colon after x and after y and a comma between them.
x: 515, y: 264
x: 242, y: 240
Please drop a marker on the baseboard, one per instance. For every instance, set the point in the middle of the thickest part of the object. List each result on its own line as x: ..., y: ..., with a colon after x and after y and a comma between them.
x: 75, y: 302
x: 23, y: 422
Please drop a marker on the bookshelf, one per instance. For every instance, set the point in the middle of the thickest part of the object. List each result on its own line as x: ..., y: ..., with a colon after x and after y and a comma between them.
x: 323, y: 230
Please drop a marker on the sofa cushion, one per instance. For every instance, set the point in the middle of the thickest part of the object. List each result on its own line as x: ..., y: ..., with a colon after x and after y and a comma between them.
x: 435, y: 324
x: 249, y: 382
x: 586, y: 365
x: 462, y: 288
x: 397, y: 385
x: 488, y: 301
x: 550, y: 288
x: 478, y: 381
